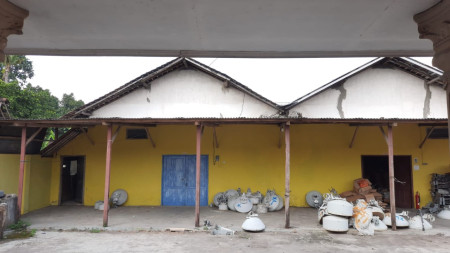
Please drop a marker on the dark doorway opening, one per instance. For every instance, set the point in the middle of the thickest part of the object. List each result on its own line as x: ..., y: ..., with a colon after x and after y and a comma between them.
x: 376, y: 169
x: 72, y: 180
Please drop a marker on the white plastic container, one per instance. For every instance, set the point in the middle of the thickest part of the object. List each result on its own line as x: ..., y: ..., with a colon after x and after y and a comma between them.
x: 223, y: 207
x: 378, y: 224
x: 340, y: 207
x: 231, y: 202
x: 253, y: 223
x: 399, y: 220
x: 416, y: 223
x: 243, y: 204
x: 335, y: 223
x: 272, y: 202
x: 261, y: 208
x: 444, y: 214
x: 376, y: 211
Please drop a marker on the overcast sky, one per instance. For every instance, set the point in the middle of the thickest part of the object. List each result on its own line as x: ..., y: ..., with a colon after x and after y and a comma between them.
x: 280, y: 80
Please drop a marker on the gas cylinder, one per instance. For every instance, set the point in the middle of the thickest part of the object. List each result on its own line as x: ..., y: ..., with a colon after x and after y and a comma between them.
x: 417, y: 200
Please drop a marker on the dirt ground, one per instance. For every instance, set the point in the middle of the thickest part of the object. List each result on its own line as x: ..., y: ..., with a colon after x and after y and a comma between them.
x: 294, y: 241
x: 142, y: 229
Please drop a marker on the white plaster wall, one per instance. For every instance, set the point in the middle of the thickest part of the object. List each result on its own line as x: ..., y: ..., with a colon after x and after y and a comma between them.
x: 438, y: 102
x: 185, y: 94
x: 376, y: 93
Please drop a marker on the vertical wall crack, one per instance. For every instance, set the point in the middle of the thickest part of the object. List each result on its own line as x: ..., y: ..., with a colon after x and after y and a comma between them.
x: 342, y: 96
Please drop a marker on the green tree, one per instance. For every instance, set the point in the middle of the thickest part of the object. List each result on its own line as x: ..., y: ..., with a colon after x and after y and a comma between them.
x: 30, y: 102
x: 16, y: 68
x: 68, y: 103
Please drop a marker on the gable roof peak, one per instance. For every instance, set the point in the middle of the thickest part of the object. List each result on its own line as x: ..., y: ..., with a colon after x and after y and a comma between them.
x: 177, y: 63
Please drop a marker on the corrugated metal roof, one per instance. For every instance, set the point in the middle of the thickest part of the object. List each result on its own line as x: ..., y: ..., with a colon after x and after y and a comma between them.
x: 60, y: 142
x: 10, y: 139
x: 84, y: 122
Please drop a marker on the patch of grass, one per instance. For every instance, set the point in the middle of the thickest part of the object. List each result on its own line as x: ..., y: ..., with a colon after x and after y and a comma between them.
x: 95, y: 230
x: 20, y: 225
x: 20, y: 230
x: 33, y: 232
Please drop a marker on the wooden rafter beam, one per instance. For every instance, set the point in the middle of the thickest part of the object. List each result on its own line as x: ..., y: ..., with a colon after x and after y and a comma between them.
x: 87, y: 136
x: 384, y: 134
x: 115, y: 134
x: 17, y: 138
x: 426, y: 137
x: 150, y: 138
x: 29, y: 140
x: 354, y: 137
x: 216, y: 141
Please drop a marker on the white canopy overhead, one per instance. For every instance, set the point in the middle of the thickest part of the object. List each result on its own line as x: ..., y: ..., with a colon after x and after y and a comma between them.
x: 218, y: 28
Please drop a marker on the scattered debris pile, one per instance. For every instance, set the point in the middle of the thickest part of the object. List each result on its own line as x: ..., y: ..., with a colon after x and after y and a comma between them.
x: 440, y: 192
x: 440, y: 189
x: 362, y: 189
x: 338, y: 214
x: 234, y: 200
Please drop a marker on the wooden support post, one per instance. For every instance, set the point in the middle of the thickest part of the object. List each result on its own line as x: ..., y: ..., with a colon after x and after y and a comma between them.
x: 197, y: 175
x: 107, y: 175
x: 447, y: 90
x: 426, y: 137
x: 56, y: 133
x: 354, y: 137
x: 287, y: 136
x: 391, y: 177
x: 21, y: 170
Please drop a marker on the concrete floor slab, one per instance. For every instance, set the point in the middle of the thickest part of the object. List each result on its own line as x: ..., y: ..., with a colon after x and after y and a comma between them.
x: 157, y: 218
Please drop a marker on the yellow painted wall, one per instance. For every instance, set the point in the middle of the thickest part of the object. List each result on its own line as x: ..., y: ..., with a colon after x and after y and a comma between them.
x: 9, y: 173
x: 321, y: 158
x: 38, y: 176
x: 249, y: 157
x: 37, y: 179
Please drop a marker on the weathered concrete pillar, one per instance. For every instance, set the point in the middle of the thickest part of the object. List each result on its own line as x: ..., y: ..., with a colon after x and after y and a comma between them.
x: 11, y: 22
x: 3, y: 210
x: 434, y: 24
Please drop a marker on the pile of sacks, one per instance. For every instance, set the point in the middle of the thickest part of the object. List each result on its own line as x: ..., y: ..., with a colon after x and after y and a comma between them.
x: 362, y: 189
x: 256, y: 202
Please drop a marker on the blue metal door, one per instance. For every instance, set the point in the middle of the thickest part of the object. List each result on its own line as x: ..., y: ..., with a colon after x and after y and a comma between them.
x: 178, y: 180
